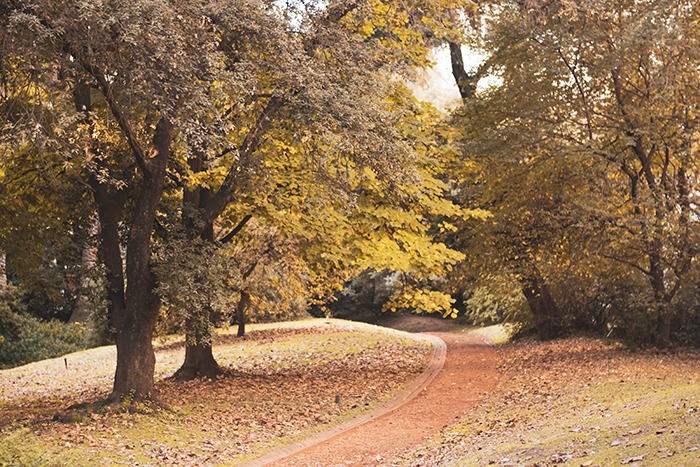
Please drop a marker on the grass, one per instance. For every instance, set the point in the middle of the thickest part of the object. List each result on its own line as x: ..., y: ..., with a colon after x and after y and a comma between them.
x: 604, y: 425
x: 285, y: 383
x: 499, y: 334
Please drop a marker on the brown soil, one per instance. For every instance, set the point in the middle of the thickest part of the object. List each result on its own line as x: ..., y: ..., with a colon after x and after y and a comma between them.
x: 470, y: 372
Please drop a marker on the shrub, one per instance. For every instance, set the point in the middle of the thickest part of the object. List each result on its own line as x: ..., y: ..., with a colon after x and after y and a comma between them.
x: 25, y: 339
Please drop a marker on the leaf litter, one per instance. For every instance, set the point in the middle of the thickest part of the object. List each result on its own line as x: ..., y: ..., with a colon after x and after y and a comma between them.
x: 281, y: 385
x: 578, y: 401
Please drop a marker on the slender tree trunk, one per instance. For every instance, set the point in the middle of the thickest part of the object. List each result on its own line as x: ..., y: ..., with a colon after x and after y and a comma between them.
x: 466, y: 82
x: 110, y: 204
x: 665, y: 318
x: 542, y: 305
x: 241, y: 308
x: 88, y: 260
x: 3, y: 268
x: 134, y: 377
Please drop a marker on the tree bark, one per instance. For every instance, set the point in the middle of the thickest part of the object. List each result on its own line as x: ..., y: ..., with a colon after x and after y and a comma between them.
x: 542, y: 305
x: 134, y: 377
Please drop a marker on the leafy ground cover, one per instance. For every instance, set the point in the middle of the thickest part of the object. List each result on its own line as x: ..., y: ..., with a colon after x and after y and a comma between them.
x: 284, y: 383
x: 581, y: 401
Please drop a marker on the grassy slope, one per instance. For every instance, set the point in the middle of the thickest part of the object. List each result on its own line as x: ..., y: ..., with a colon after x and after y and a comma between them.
x: 284, y: 384
x: 583, y: 401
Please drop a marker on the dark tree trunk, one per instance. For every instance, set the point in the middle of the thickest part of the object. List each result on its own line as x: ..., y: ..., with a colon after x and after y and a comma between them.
x: 241, y: 308
x: 543, y: 307
x: 110, y: 203
x: 199, y: 356
x: 134, y: 377
x: 466, y: 82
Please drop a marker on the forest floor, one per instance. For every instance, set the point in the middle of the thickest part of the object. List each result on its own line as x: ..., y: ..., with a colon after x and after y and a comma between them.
x: 579, y: 401
x: 283, y: 384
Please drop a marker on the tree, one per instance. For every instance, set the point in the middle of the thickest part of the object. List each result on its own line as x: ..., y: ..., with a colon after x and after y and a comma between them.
x: 146, y: 66
x: 605, y: 92
x: 327, y: 109
x: 124, y: 92
x: 516, y: 243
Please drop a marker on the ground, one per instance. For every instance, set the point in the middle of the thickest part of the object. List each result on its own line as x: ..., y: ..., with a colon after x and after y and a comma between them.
x: 468, y: 376
x: 585, y: 401
x: 282, y: 384
x: 581, y: 401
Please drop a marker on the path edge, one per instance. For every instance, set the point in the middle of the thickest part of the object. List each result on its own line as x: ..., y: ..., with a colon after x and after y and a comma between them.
x: 436, y: 363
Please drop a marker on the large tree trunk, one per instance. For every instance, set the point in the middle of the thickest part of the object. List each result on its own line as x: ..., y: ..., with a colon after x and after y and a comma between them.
x: 542, y: 305
x: 134, y: 377
x: 135, y: 322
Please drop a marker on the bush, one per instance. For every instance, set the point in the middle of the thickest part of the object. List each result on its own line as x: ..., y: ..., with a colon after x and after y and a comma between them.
x: 25, y: 339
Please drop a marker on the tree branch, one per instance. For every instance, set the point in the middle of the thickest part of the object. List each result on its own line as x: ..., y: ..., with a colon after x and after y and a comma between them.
x: 627, y: 262
x: 115, y: 108
x: 238, y: 171
x: 466, y: 82
x: 337, y: 12
x: 229, y: 236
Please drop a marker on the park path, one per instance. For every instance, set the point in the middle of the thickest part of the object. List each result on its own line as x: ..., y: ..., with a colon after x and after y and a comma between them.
x: 450, y: 386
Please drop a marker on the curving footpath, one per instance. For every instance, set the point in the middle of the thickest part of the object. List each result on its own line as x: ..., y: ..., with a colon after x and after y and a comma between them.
x: 462, y: 369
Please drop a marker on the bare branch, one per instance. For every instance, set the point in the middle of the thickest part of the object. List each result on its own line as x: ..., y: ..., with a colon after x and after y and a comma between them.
x: 627, y: 262
x: 230, y: 236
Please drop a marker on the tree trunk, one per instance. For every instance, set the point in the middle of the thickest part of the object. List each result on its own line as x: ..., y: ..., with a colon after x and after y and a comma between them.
x: 543, y: 307
x: 199, y: 357
x: 134, y: 377
x: 110, y: 203
x: 3, y: 268
x: 466, y: 83
x: 241, y: 308
x: 88, y: 260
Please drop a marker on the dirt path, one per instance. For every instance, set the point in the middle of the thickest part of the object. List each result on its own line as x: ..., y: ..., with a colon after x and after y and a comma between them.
x: 469, y: 372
